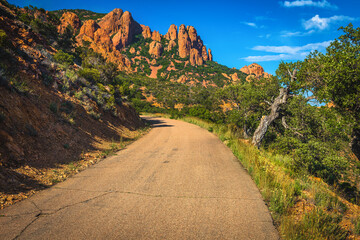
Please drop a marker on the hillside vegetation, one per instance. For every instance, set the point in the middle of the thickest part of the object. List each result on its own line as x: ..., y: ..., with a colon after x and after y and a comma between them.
x: 71, y: 77
x: 56, y: 118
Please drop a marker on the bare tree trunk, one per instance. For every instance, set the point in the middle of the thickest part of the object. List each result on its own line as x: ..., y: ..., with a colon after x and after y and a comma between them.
x: 267, y: 120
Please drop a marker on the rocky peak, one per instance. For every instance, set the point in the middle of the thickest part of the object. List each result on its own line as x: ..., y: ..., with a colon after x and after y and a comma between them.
x: 172, y: 33
x: 156, y: 36
x: 146, y: 32
x: 69, y: 19
x: 111, y: 22
x: 204, y: 54
x: 184, y: 42
x: 128, y: 28
x: 192, y: 34
x: 210, y: 55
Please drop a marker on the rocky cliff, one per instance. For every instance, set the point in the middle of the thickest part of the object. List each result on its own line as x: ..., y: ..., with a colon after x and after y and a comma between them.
x: 117, y: 30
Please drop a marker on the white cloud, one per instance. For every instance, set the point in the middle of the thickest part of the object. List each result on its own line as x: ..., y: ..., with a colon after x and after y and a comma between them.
x: 286, y: 52
x: 319, y: 23
x: 265, y: 36
x: 309, y: 3
x: 296, y: 34
x: 251, y: 24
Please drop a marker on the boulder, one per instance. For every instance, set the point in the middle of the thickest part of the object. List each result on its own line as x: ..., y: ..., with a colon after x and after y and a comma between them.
x: 155, y: 49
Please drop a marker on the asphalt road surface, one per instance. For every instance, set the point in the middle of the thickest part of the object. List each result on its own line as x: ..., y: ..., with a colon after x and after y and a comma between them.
x: 177, y: 182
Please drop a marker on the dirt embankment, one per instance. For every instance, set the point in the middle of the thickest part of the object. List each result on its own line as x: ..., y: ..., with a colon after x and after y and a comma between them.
x: 42, y: 131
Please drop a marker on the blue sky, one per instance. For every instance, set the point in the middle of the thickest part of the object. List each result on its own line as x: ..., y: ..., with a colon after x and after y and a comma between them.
x: 238, y: 32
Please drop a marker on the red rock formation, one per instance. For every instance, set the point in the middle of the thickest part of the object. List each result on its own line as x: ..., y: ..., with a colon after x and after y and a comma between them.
x: 234, y: 77
x: 88, y: 30
x: 69, y: 19
x: 111, y: 22
x: 184, y: 42
x: 155, y: 49
x: 204, y: 54
x: 195, y: 57
x: 171, y: 45
x: 172, y: 33
x: 156, y: 36
x: 103, y: 40
x: 128, y: 29
x: 254, y: 70
x: 146, y: 32
x: 210, y: 55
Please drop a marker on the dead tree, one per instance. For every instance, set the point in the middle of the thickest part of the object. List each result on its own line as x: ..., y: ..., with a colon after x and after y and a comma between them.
x: 266, y: 121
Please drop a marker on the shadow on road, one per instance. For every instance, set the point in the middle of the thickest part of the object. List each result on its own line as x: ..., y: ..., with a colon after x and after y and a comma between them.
x: 156, y: 123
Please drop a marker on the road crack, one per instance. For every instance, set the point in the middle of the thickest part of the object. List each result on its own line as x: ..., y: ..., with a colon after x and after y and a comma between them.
x: 44, y: 214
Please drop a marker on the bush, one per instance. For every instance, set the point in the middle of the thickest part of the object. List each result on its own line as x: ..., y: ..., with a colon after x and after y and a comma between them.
x: 4, y: 41
x: 319, y: 160
x: 64, y: 58
x: 90, y: 74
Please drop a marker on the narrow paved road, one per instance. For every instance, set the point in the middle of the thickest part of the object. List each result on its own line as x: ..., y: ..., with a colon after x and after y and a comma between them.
x: 177, y: 182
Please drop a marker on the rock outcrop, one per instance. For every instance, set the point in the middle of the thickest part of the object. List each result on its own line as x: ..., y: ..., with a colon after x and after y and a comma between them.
x: 172, y: 33
x: 88, y: 30
x: 204, y: 54
x: 127, y: 30
x: 69, y: 19
x: 112, y: 21
x: 156, y: 36
x: 210, y: 55
x: 195, y: 57
x: 146, y: 32
x: 184, y: 42
x: 254, y: 70
x: 117, y: 30
x: 171, y: 45
x: 155, y: 49
x: 103, y: 40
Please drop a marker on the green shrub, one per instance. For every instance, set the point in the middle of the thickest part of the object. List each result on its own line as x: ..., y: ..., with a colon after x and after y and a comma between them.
x: 4, y: 41
x: 90, y: 74
x: 64, y: 58
x: 318, y: 159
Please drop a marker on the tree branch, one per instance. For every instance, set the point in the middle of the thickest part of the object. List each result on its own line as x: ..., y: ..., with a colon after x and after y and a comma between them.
x: 283, y: 121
